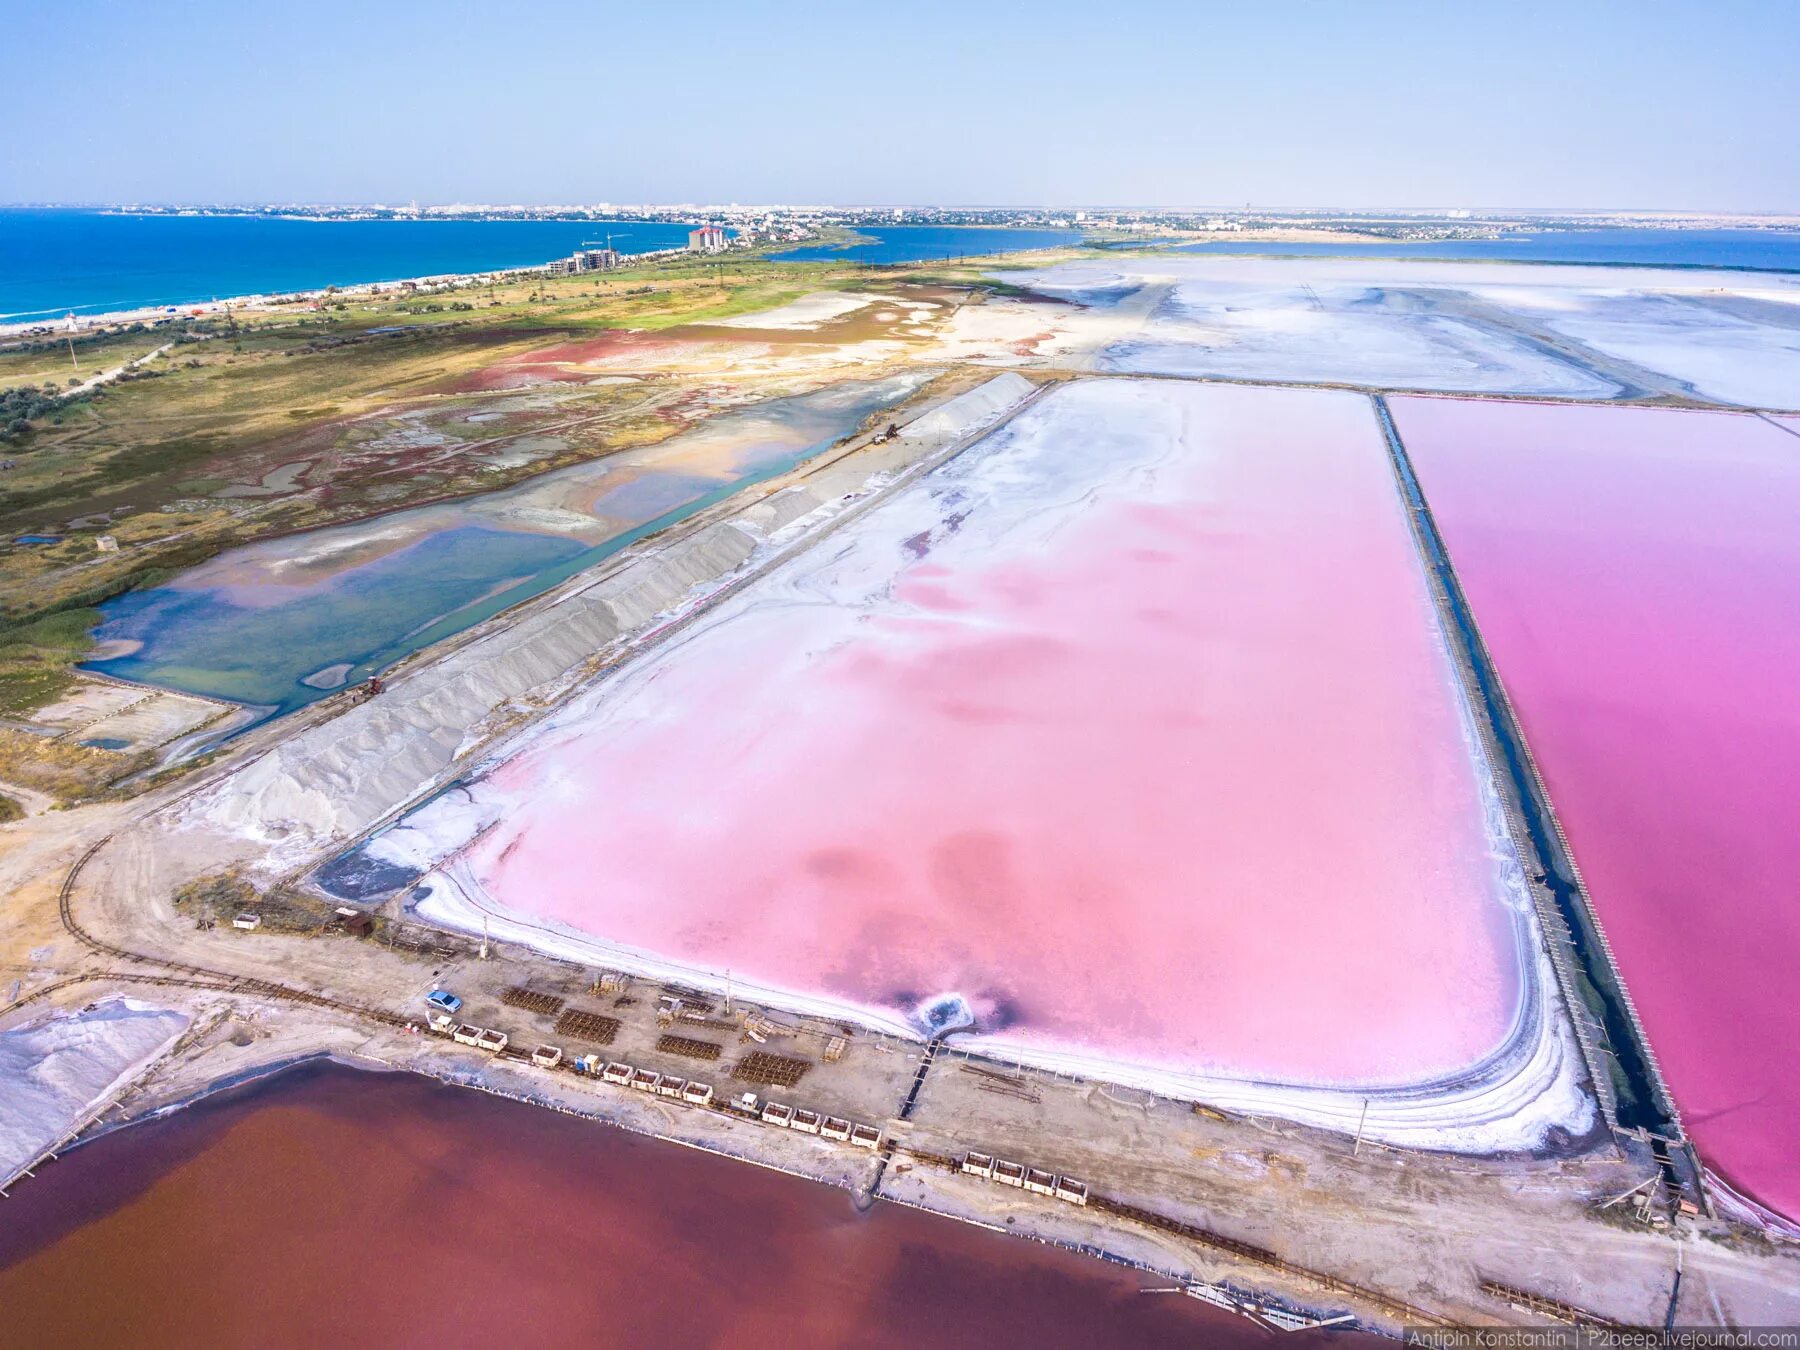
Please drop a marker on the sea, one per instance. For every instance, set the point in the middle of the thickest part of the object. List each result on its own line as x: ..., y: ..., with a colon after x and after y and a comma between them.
x: 929, y: 243
x: 1764, y: 250
x: 54, y: 261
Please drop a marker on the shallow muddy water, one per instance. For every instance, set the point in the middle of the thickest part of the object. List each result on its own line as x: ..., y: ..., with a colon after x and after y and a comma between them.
x: 330, y: 1207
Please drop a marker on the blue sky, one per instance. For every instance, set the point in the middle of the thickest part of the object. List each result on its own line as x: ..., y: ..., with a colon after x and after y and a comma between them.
x: 1650, y: 104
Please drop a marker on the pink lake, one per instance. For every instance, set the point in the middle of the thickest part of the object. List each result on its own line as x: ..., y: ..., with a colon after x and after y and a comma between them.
x: 1636, y: 573
x: 1134, y: 727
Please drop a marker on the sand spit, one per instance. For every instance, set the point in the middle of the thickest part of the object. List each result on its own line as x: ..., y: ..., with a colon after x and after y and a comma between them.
x: 57, y: 1071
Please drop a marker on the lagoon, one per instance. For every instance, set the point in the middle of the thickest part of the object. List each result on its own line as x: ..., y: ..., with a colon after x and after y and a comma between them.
x: 929, y: 243
x: 283, y: 622
x: 1777, y: 250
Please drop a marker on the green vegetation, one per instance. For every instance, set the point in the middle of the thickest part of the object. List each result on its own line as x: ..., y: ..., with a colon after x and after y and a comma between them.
x: 63, y: 769
x: 312, y: 412
x: 21, y: 406
x: 10, y: 809
x: 36, y: 657
x: 69, y: 357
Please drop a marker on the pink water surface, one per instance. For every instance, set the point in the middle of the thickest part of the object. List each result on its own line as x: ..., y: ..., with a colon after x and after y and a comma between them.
x: 1183, y: 778
x: 1636, y: 573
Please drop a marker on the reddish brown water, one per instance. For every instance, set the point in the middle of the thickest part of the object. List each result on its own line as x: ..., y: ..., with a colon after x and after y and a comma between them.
x: 330, y: 1208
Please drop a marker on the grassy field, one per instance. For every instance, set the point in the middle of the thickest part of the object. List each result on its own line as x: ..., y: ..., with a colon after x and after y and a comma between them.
x: 35, y: 657
x: 48, y: 361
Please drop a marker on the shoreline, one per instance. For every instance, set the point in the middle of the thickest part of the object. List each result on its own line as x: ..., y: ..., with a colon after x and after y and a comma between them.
x: 11, y: 326
x: 1268, y: 1285
x: 19, y: 324
x: 244, y: 1084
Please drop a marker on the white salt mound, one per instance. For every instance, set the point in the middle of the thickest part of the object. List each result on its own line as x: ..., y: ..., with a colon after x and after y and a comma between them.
x: 55, y: 1070
x: 972, y: 410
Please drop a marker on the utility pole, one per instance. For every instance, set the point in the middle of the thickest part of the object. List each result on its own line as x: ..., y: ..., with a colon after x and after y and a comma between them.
x: 1356, y: 1149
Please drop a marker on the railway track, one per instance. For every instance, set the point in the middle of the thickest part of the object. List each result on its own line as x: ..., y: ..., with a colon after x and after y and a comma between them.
x: 182, y: 974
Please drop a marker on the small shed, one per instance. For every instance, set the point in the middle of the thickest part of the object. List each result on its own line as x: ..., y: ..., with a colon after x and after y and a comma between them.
x: 355, y: 922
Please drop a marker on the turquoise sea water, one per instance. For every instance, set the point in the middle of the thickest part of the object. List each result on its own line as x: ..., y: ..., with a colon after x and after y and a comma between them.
x: 928, y: 243
x: 1768, y: 249
x: 55, y: 261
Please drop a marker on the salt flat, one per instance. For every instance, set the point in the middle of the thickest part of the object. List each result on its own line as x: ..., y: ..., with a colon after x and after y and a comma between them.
x: 806, y: 313
x: 1570, y: 332
x: 1131, y: 734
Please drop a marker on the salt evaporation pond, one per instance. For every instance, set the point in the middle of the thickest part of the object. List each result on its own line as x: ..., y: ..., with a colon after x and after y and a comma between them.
x: 284, y: 622
x: 1134, y: 728
x: 1453, y: 327
x: 331, y: 1207
x: 1636, y: 573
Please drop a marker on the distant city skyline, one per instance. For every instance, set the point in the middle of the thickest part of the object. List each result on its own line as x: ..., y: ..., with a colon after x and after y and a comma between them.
x: 1400, y: 104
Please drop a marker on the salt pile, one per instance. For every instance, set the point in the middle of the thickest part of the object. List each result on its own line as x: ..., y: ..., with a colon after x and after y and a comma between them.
x: 56, y: 1070
x: 972, y: 410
